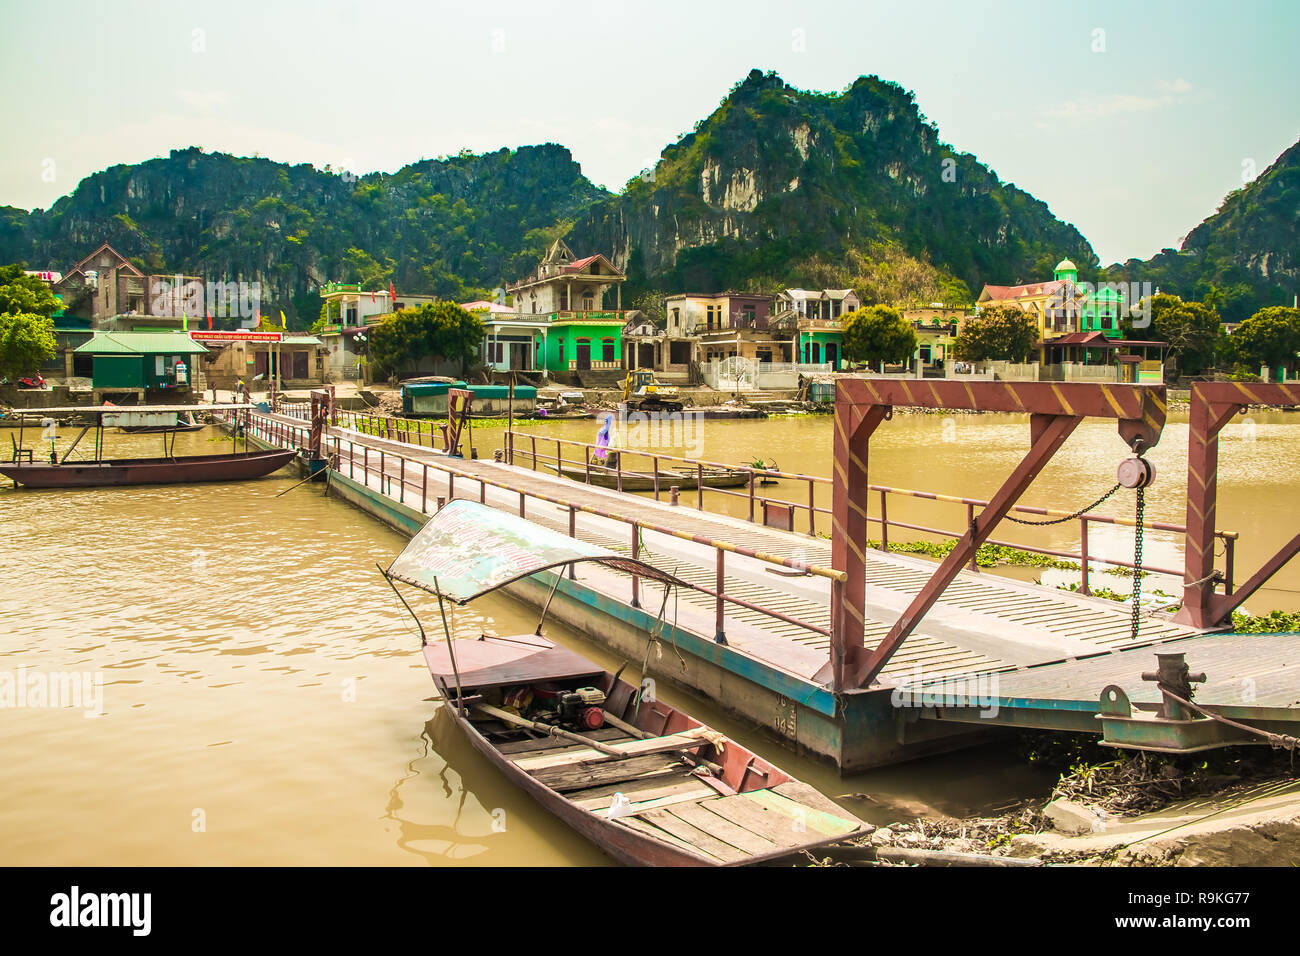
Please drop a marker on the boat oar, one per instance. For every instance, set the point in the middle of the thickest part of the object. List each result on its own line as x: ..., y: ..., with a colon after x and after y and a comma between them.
x: 295, y: 485
x: 541, y: 728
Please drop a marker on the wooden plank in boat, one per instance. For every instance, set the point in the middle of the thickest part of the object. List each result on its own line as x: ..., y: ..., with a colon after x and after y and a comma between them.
x: 770, y: 825
x: 800, y: 792
x: 796, y: 813
x: 723, y: 829
x: 705, y: 842
x: 640, y: 826
x: 644, y: 791
x: 539, y: 744
x: 581, y: 776
x: 686, y: 740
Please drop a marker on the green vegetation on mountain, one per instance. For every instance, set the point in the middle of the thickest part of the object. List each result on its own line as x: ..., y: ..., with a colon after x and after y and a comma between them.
x: 783, y: 187
x: 454, y: 227
x: 1241, y: 259
x: 778, y: 187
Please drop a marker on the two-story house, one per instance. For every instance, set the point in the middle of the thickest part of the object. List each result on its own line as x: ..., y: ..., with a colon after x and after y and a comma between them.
x: 566, y: 300
x: 813, y: 321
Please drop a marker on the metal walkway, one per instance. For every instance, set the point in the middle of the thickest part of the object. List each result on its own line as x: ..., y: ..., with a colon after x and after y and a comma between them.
x: 982, y: 623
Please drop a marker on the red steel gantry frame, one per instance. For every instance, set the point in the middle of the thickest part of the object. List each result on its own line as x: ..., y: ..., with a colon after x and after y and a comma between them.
x: 1213, y: 404
x: 861, y: 404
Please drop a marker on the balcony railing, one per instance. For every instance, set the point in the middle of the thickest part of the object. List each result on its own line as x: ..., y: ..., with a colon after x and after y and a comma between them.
x: 571, y: 315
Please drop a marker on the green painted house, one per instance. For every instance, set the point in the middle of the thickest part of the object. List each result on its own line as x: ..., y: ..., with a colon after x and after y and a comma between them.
x: 821, y: 345
x: 563, y: 305
x: 141, y: 360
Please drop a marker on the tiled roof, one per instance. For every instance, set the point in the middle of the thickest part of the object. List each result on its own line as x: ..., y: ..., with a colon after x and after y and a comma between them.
x: 1002, y: 292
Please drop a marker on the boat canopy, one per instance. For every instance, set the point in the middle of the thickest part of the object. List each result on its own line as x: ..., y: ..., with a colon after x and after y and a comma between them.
x: 472, y: 549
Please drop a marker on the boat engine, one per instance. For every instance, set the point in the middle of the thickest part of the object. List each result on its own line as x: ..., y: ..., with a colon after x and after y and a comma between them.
x: 581, y: 708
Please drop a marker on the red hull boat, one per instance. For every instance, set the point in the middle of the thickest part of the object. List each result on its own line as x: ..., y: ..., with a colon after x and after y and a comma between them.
x: 147, y: 471
x: 646, y: 782
x: 665, y: 790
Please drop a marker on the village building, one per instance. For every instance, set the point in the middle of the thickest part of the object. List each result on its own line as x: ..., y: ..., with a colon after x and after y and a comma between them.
x: 567, y: 297
x: 510, y: 342
x: 106, y: 291
x: 349, y: 312
x: 936, y: 327
x: 153, y: 366
x: 1079, y: 333
x: 814, y: 322
x: 709, y: 327
x: 252, y: 355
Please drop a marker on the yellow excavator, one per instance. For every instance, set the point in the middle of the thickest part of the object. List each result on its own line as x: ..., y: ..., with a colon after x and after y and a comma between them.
x: 643, y: 394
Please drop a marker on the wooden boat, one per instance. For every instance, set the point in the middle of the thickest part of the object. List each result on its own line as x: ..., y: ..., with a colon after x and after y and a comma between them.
x: 606, y: 477
x: 648, y: 783
x: 167, y: 469
x: 112, y: 472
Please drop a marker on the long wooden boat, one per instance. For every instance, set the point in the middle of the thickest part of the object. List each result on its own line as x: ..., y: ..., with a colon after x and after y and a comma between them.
x: 644, y: 481
x: 113, y: 472
x: 647, y: 782
x: 169, y: 469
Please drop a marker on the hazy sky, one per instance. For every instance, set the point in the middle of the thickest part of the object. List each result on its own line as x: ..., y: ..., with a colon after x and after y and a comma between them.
x: 1129, y: 119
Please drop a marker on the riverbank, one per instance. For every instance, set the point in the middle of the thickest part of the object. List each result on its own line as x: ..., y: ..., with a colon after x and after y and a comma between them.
x: 1235, y: 807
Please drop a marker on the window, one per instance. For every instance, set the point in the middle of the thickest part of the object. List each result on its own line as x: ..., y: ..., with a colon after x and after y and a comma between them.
x: 710, y: 317
x: 677, y: 318
x: 747, y: 314
x: 608, y: 351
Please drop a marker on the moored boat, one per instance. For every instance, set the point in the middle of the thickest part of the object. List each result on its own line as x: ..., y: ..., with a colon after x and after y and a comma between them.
x: 647, y: 782
x: 607, y: 477
x: 169, y: 468
x: 115, y: 472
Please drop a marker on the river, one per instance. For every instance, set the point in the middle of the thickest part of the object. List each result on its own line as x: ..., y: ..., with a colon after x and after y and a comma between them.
x: 264, y: 700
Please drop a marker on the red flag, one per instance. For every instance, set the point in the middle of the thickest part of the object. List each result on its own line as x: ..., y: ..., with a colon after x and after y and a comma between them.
x: 209, y: 315
x: 372, y: 295
x: 392, y: 293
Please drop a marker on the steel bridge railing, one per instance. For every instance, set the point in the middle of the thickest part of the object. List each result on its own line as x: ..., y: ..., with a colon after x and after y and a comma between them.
x: 273, y: 430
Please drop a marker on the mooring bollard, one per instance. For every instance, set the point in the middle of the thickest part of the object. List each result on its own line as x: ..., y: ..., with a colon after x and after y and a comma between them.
x: 672, y: 494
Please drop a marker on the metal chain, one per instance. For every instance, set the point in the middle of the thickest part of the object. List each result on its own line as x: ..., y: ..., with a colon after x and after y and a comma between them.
x: 1137, y: 560
x: 1069, y: 517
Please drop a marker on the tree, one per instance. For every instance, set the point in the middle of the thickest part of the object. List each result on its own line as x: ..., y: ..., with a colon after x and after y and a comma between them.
x: 1190, y: 328
x: 26, y: 343
x: 26, y: 331
x: 878, y: 334
x: 1269, y: 337
x: 443, y: 329
x: 1002, y: 333
x: 651, y: 303
x: 24, y: 294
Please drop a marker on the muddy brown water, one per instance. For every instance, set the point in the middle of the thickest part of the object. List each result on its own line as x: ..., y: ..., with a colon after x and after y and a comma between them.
x: 264, y: 699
